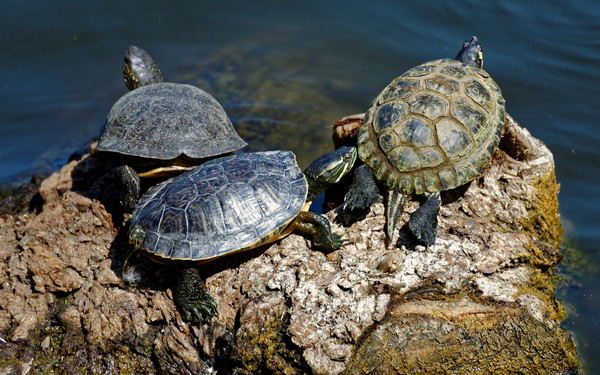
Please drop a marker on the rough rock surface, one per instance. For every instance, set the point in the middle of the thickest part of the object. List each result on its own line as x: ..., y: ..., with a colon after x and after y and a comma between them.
x: 481, y: 300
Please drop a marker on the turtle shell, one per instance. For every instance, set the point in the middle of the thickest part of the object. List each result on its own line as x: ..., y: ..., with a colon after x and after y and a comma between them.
x: 225, y: 205
x: 166, y: 120
x: 433, y: 128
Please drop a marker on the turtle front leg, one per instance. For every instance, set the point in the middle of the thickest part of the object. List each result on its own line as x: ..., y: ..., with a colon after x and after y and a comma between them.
x: 129, y: 186
x: 363, y: 191
x: 423, y: 222
x: 196, y: 304
x: 317, y: 226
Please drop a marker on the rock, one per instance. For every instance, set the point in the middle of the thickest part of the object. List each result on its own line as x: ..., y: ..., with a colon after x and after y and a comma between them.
x: 480, y: 300
x: 454, y: 337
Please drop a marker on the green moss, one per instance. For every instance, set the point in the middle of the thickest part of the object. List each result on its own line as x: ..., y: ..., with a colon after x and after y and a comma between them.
x: 44, y: 360
x: 267, y: 350
x: 54, y: 350
x: 9, y: 356
x: 544, y: 218
x: 435, y: 337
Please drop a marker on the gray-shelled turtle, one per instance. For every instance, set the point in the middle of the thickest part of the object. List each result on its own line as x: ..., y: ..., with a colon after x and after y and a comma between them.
x: 232, y: 204
x: 161, y: 129
x: 433, y: 128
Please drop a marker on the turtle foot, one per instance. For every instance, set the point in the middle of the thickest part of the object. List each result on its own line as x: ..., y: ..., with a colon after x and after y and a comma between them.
x: 201, y: 310
x: 363, y: 192
x: 129, y: 187
x: 317, y: 226
x: 359, y: 201
x: 327, y: 242
x: 423, y: 222
x: 196, y: 304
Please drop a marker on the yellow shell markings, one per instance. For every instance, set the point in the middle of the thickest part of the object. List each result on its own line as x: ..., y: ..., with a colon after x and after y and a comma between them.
x: 138, y: 234
x: 429, y: 129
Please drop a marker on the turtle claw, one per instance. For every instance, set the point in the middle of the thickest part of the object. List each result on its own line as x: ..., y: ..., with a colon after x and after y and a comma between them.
x: 337, y: 241
x: 200, y: 311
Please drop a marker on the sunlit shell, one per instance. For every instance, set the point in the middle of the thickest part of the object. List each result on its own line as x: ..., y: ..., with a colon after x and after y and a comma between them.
x: 433, y: 128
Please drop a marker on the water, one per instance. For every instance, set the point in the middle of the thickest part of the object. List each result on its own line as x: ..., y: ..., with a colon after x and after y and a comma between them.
x: 284, y: 73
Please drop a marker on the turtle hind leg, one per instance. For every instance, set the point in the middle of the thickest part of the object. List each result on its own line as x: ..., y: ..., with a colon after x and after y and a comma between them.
x: 423, y: 222
x: 393, y: 209
x: 317, y: 226
x: 129, y: 186
x: 196, y: 304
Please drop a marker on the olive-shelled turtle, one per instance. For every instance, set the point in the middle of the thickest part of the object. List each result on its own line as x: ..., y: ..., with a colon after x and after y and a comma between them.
x: 432, y: 129
x: 161, y: 129
x: 231, y: 204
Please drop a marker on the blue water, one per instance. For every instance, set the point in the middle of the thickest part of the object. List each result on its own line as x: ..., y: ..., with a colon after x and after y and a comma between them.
x: 284, y: 73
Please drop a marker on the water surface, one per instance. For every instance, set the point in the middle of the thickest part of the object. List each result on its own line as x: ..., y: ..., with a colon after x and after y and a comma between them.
x: 286, y: 72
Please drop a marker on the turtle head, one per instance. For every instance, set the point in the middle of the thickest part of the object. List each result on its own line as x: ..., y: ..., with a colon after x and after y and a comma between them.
x: 328, y: 169
x: 471, y: 53
x: 139, y: 69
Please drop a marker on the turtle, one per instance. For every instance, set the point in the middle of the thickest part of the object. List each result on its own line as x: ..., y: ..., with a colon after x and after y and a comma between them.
x: 160, y: 129
x: 432, y: 129
x: 232, y: 204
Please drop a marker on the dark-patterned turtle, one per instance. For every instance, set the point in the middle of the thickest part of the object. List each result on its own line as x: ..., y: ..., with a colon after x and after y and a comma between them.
x: 160, y: 129
x: 232, y: 204
x: 433, y: 128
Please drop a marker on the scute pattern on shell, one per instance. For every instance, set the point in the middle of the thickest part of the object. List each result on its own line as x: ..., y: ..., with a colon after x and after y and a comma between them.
x: 166, y: 120
x: 433, y: 128
x: 222, y: 206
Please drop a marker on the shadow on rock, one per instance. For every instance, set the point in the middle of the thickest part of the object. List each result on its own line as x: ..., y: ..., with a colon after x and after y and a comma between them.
x: 93, y: 179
